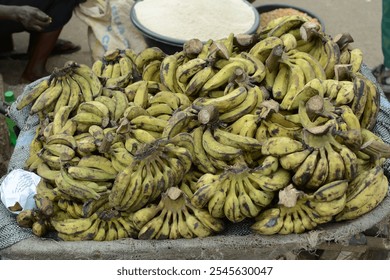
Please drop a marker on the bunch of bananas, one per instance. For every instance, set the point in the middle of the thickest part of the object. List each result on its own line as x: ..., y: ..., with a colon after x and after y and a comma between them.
x: 116, y: 68
x: 175, y: 217
x: 298, y: 212
x: 273, y: 127
x: 240, y: 192
x: 68, y: 86
x: 155, y: 168
x: 103, y: 225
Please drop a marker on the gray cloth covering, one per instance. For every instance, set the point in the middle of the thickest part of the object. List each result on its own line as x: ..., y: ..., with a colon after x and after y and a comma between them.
x: 11, y: 233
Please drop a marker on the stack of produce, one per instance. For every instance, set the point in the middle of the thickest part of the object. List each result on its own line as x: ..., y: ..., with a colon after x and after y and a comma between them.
x: 273, y: 128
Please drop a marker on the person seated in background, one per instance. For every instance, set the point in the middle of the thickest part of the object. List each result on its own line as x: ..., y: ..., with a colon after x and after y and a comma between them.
x: 44, y: 21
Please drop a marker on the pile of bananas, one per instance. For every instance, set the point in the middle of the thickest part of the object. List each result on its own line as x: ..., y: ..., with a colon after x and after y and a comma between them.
x: 273, y: 128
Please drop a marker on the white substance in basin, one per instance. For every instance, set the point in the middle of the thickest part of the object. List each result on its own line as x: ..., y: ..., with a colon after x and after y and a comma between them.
x: 201, y: 19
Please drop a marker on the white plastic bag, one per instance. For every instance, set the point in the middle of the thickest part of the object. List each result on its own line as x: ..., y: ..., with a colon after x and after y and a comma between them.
x: 18, y: 189
x: 109, y: 26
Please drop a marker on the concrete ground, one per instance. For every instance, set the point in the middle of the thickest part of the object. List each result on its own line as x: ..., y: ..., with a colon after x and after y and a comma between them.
x: 361, y: 18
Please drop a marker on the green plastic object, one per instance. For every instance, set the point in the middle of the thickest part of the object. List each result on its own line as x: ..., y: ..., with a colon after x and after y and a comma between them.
x: 9, y: 97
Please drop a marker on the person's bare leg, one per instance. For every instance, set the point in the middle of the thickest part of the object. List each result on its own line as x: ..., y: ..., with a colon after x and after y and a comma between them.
x: 7, y: 43
x: 42, y: 45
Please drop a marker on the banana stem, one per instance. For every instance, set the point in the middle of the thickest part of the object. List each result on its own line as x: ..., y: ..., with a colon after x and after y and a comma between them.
x: 343, y: 72
x: 343, y: 40
x: 106, y: 143
x: 315, y: 107
x: 289, y: 196
x: 310, y: 30
x: 208, y: 114
x: 246, y: 41
x: 272, y: 61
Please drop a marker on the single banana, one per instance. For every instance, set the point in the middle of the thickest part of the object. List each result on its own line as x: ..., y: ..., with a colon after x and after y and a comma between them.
x: 166, y: 97
x: 224, y: 103
x: 95, y: 107
x: 143, y: 215
x: 287, y: 23
x: 64, y: 152
x: 182, y: 226
x: 63, y: 139
x: 152, y: 227
x: 187, y: 70
x: 216, y: 149
x: 206, y: 187
x: 279, y: 146
x: 368, y: 199
x: 238, y: 141
x: 350, y: 162
x: 176, y: 124
x: 168, y: 69
x: 201, y: 156
x: 33, y: 94
x: 263, y: 48
x: 214, y: 224
x: 85, y: 87
x: 60, y: 118
x: 247, y: 106
x: 269, y: 222
x: 73, y: 226
x: 216, y: 204
x: 87, y: 73
x: 196, y: 226
x: 247, y: 207
x: 296, y: 83
x: 291, y: 161
x: 371, y: 108
x: 48, y: 96
x: 345, y: 94
x: 320, y: 174
x: 329, y: 208
x: 151, y: 71
x: 336, y: 165
x: 147, y: 55
x: 197, y: 81
x: 273, y: 182
x: 356, y: 59
x: 75, y: 188
x: 304, y: 172
x: 288, y: 223
x: 222, y: 76
x: 97, y: 67
x: 280, y: 84
x: 121, y: 103
x: 331, y: 191
x: 63, y: 99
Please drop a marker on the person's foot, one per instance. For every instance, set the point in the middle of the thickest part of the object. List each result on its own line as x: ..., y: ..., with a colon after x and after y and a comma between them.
x: 382, y: 75
x: 64, y: 47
